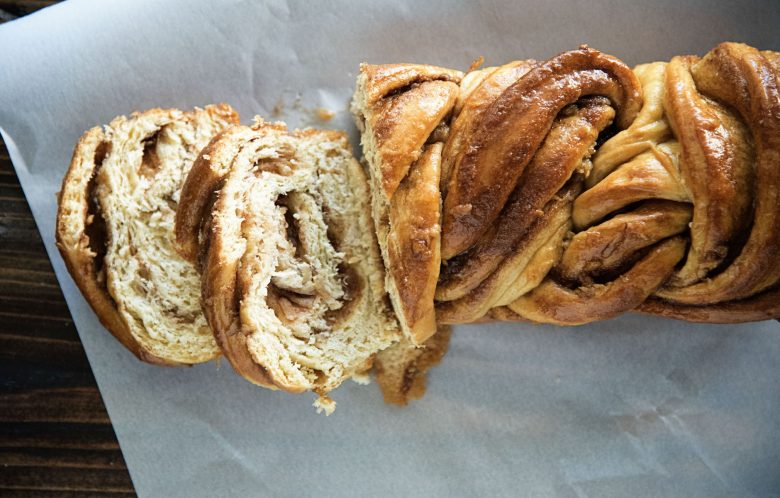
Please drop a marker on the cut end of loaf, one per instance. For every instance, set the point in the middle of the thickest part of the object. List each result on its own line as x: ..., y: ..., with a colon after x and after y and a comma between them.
x: 400, y: 110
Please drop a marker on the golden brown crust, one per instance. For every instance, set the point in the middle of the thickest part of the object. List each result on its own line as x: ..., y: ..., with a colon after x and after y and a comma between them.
x: 679, y: 208
x: 399, y: 108
x: 746, y: 81
x: 551, y: 302
x: 649, y: 175
x: 393, y: 78
x: 404, y: 104
x: 413, y: 242
x: 716, y: 167
x: 504, y: 139
x: 399, y: 150
x: 479, y: 90
x: 558, y: 158
x: 764, y: 306
x: 520, y: 269
x: 607, y: 247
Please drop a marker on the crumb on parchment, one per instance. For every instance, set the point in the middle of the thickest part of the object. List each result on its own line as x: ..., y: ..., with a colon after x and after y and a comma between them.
x: 324, y: 114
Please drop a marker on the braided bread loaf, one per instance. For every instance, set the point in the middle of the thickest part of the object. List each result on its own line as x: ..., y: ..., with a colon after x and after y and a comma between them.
x: 564, y: 191
x: 114, y: 230
x: 522, y: 209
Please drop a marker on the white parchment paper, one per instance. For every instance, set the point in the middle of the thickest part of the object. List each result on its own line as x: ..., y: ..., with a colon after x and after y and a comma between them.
x: 633, y: 406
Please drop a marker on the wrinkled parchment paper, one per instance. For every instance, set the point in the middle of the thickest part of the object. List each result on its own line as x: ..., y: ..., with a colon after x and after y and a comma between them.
x: 634, y: 406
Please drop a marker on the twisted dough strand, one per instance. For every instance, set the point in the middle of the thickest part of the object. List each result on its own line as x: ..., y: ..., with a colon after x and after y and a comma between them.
x: 676, y: 215
x: 504, y: 139
x: 402, y: 110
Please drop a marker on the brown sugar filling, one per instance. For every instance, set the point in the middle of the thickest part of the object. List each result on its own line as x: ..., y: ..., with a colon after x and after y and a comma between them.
x: 95, y: 225
x: 292, y: 306
x: 150, y: 161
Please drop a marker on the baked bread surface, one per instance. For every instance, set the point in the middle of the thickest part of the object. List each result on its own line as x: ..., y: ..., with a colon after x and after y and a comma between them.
x: 399, y: 109
x: 575, y: 189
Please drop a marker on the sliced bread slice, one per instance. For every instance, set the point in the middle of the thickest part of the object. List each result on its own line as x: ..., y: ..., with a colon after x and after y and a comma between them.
x: 114, y: 230
x: 292, y: 280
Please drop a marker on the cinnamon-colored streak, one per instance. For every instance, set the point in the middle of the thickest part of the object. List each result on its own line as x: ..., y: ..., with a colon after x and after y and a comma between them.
x: 478, y: 91
x: 552, y: 302
x: 523, y: 269
x: 569, y: 141
x: 608, y: 246
x: 505, y: 138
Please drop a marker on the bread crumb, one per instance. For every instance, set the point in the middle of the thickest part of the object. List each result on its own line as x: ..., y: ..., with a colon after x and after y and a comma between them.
x: 324, y: 404
x: 278, y: 109
x: 361, y: 378
x: 323, y: 114
x: 476, y: 63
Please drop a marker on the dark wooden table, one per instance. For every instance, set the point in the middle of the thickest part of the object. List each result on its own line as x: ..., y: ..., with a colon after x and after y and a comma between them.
x: 55, y: 436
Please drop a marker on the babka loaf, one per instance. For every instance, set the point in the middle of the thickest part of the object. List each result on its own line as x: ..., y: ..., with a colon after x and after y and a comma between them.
x: 576, y: 189
x: 115, y: 230
x: 277, y: 223
x: 564, y: 191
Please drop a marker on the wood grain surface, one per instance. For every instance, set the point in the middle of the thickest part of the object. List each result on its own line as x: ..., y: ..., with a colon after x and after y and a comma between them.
x: 55, y: 436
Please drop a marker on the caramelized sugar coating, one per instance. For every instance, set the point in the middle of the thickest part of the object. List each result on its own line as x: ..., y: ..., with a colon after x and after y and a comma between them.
x: 576, y: 189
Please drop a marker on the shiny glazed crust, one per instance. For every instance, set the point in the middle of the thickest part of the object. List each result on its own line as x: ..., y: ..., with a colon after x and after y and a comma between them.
x: 542, y: 219
x: 398, y: 109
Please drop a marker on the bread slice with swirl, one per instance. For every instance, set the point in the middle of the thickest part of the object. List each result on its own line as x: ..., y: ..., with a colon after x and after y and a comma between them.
x: 114, y: 230
x: 292, y: 280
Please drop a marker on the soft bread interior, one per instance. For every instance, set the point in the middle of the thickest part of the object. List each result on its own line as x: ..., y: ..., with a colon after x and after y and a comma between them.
x: 131, y: 262
x: 291, y: 237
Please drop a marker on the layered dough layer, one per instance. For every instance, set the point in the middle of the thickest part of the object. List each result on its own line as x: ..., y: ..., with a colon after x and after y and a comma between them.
x: 115, y: 230
x: 575, y: 189
x: 402, y: 112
